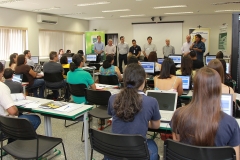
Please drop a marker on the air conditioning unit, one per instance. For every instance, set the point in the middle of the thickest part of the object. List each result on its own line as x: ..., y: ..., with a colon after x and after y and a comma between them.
x: 47, y: 19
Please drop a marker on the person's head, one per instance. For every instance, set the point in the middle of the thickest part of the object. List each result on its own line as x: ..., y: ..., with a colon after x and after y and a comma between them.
x: 217, y: 66
x: 77, y: 61
x: 198, y: 37
x: 60, y: 51
x: 1, y: 70
x: 68, y: 51
x: 110, y: 42
x: 80, y: 52
x: 219, y: 55
x: 205, y: 106
x: 129, y: 102
x: 13, y: 59
x: 122, y: 39
x: 152, y: 57
x: 134, y: 43
x: 64, y: 60
x: 149, y: 39
x: 193, y: 55
x: 108, y: 62
x: 53, y: 56
x: 168, y: 69
x: 21, y: 60
x: 132, y: 59
x: 99, y: 38
x: 167, y: 42
x: 186, y: 66
x: 8, y: 73
x: 27, y: 54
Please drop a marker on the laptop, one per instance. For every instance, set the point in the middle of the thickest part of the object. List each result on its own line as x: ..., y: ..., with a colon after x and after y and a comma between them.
x: 209, y: 58
x: 69, y: 59
x: 35, y: 59
x: 227, y: 68
x: 160, y: 60
x: 176, y: 59
x: 3, y: 63
x: 227, y: 104
x: 167, y: 102
x: 185, y: 84
x: 148, y: 67
x: 17, y: 78
x: 91, y: 57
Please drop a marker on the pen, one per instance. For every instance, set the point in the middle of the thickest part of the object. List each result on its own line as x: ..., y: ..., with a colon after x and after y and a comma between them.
x: 66, y: 107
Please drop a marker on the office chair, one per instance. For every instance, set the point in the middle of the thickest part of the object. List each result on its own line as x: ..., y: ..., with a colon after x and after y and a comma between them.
x: 111, y: 80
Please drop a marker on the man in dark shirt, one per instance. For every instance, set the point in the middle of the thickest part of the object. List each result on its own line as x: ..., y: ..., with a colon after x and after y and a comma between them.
x: 135, y: 49
x: 196, y: 63
x: 199, y: 47
x: 15, y: 87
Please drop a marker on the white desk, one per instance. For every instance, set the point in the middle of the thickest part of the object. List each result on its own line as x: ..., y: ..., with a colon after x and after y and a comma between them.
x: 105, y: 86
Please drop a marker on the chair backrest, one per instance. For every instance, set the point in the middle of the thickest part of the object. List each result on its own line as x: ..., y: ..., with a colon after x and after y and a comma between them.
x: 97, y: 97
x: 17, y: 128
x: 53, y: 77
x: 179, y: 151
x: 111, y: 80
x: 119, y: 146
x: 25, y: 79
x: 77, y: 90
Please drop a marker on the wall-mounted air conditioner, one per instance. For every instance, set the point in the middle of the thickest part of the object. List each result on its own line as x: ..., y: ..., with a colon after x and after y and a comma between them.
x: 47, y: 19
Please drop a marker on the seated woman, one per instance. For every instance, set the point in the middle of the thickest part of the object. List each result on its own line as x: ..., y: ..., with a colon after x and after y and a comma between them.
x: 13, y: 61
x: 168, y: 79
x: 109, y: 69
x: 77, y: 75
x: 132, y: 111
x: 219, y: 55
x: 65, y: 65
x: 186, y: 67
x: 32, y: 77
x: 153, y: 58
x: 201, y: 122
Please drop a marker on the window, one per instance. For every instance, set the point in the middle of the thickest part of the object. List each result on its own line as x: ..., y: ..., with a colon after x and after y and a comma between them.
x: 12, y: 40
x: 55, y: 40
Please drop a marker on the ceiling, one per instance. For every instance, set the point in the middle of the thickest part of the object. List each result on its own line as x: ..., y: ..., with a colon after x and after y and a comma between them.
x: 69, y: 8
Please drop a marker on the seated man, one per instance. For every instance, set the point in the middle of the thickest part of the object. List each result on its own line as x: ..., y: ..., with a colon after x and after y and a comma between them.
x: 53, y: 67
x: 197, y: 64
x: 15, y: 87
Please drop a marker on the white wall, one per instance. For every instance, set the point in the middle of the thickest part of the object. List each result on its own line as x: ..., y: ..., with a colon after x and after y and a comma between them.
x: 124, y: 27
x: 17, y: 18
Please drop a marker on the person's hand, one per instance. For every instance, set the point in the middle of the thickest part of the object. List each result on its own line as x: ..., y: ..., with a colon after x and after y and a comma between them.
x: 195, y: 49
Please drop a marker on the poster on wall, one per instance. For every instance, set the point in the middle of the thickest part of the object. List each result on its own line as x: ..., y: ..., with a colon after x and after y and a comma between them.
x: 222, y: 39
x: 204, y: 32
x: 91, y: 38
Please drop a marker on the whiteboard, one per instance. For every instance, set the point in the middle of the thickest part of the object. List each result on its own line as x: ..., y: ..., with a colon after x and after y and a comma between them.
x: 159, y: 33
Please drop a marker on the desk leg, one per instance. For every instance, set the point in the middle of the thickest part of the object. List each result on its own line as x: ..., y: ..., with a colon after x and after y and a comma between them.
x: 48, y: 126
x: 86, y: 134
x: 24, y: 90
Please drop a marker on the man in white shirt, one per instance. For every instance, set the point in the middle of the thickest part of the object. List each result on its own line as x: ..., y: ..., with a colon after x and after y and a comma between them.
x: 123, y: 49
x: 168, y: 49
x: 186, y: 46
x: 28, y: 56
x: 149, y: 47
x: 111, y: 49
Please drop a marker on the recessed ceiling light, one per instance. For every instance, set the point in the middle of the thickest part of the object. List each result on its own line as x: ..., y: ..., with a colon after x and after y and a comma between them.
x: 92, y: 4
x: 93, y: 17
x: 177, y: 6
x: 137, y: 15
x: 9, y: 1
x: 44, y: 9
x: 179, y: 13
x: 231, y: 10
x: 118, y: 10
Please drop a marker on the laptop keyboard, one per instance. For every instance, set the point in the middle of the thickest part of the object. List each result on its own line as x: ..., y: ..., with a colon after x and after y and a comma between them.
x: 166, y: 116
x: 37, y: 68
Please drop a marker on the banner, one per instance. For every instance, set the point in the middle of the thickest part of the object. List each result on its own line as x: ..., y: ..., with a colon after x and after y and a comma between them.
x: 204, y: 32
x: 222, y: 41
x: 91, y: 38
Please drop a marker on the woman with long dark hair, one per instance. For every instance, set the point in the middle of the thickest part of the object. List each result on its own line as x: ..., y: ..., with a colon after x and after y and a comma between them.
x: 186, y: 67
x: 132, y: 111
x: 153, y: 58
x: 13, y: 61
x: 201, y: 122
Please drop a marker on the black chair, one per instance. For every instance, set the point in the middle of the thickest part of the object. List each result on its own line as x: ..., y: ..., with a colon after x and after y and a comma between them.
x: 111, y: 80
x: 100, y: 99
x: 28, y: 144
x: 179, y: 151
x: 118, y: 146
x: 29, y: 89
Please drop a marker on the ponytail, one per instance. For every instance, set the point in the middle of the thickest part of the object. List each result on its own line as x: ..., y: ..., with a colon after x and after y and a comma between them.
x: 76, y: 61
x: 73, y: 66
x: 107, y: 62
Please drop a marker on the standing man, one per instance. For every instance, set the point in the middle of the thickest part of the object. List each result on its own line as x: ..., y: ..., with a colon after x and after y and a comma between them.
x: 99, y: 49
x: 135, y: 49
x: 198, y: 46
x: 123, y: 49
x: 168, y: 49
x: 149, y: 47
x: 111, y: 49
x: 186, y: 46
x: 28, y: 56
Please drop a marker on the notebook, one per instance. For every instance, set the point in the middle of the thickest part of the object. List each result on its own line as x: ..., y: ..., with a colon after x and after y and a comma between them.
x: 148, y: 67
x: 209, y: 58
x: 167, y: 102
x: 185, y: 84
x: 227, y: 103
x: 176, y: 59
x: 17, y: 78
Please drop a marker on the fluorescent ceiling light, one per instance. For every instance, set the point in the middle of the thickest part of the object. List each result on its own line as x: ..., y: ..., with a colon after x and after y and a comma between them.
x: 177, y: 6
x: 231, y: 10
x: 179, y: 13
x: 72, y: 13
x: 9, y: 1
x: 92, y: 4
x: 45, y: 9
x: 118, y: 10
x: 93, y: 17
x: 137, y: 15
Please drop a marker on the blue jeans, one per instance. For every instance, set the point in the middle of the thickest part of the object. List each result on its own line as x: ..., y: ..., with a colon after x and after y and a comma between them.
x: 34, y: 119
x: 56, y: 93
x: 38, y: 83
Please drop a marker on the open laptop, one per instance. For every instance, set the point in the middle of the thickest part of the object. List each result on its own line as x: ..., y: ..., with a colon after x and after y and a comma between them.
x: 227, y: 68
x: 148, y: 67
x: 167, y: 102
x: 176, y: 59
x: 185, y: 83
x: 91, y: 57
x: 17, y: 78
x: 209, y: 58
x: 69, y: 59
x: 160, y: 60
x: 35, y: 59
x: 227, y: 104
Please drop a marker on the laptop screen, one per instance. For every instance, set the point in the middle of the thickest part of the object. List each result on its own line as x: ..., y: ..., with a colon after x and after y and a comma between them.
x: 166, y: 100
x: 148, y: 67
x: 209, y: 58
x: 227, y: 68
x: 176, y: 59
x: 185, y: 81
x: 91, y: 57
x: 69, y: 59
x: 227, y: 103
x: 35, y: 59
x: 17, y: 78
x: 160, y: 60
x: 3, y: 63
